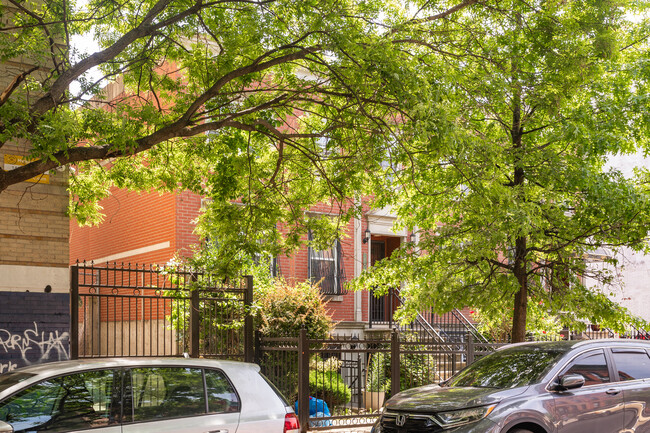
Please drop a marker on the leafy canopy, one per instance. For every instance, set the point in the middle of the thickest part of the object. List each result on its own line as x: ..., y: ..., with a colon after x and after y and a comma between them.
x: 235, y: 99
x: 484, y: 126
x: 502, y: 170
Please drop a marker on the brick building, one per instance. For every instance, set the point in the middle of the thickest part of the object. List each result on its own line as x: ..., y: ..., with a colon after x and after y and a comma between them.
x: 150, y: 227
x: 34, y: 235
x: 33, y: 222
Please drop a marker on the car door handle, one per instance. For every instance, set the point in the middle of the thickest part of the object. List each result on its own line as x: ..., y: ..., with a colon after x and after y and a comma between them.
x: 612, y: 391
x: 218, y: 431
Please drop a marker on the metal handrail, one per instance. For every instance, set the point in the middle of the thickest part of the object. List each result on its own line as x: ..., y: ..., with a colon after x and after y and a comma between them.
x: 468, y: 325
x: 433, y: 332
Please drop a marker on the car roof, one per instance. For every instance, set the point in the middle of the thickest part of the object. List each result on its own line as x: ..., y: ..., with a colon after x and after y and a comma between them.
x: 568, y: 345
x: 64, y: 367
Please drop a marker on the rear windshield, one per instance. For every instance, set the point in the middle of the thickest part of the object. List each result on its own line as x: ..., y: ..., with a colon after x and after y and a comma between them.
x: 12, y: 378
x: 509, y: 368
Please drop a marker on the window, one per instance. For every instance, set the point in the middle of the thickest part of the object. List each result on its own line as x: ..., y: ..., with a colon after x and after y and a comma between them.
x: 632, y: 365
x: 322, y: 146
x: 509, y: 368
x: 325, y: 268
x: 169, y: 392
x: 221, y: 395
x: 389, y: 169
x: 592, y: 366
x: 68, y: 403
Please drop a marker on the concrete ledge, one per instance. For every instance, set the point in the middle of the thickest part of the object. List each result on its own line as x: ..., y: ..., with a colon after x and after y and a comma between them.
x: 17, y: 278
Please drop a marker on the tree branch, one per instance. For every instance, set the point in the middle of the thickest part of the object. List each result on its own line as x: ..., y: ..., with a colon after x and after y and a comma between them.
x: 4, y: 97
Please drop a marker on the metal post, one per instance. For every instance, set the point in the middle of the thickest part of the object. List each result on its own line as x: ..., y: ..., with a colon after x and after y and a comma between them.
x: 303, y: 381
x: 453, y: 363
x: 470, y: 348
x: 394, y: 363
x: 389, y: 308
x: 195, y: 318
x: 370, y: 308
x: 249, y: 332
x: 258, y: 347
x: 74, y: 312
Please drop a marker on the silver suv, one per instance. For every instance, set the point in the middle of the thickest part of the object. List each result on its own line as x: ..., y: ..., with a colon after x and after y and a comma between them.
x: 142, y: 395
x: 599, y: 386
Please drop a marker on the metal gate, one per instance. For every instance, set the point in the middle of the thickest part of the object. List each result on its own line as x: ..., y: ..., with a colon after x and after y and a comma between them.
x: 149, y: 310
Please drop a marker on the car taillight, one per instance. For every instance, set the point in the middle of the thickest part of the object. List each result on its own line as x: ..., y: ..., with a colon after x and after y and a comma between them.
x: 291, y: 424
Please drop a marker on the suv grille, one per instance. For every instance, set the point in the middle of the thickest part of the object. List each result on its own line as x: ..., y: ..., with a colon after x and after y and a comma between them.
x: 414, y: 423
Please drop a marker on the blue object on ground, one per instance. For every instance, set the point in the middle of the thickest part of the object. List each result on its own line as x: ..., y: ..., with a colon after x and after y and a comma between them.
x: 317, y: 409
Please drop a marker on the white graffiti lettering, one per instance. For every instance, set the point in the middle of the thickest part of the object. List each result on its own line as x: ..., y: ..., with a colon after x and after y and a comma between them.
x: 6, y: 368
x: 34, y: 346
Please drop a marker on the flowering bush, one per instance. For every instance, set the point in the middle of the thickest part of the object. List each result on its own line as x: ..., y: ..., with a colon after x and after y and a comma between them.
x: 330, y: 364
x: 283, y: 309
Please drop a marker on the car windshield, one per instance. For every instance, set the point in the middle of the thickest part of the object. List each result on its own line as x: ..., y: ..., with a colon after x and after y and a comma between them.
x: 509, y: 368
x: 12, y: 378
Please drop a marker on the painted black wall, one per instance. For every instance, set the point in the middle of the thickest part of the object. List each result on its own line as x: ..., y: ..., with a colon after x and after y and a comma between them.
x: 34, y: 328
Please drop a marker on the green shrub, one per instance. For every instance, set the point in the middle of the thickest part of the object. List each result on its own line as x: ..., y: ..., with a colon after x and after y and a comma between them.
x: 497, y: 326
x: 416, y: 369
x: 283, y: 309
x: 330, y: 364
x: 329, y: 386
x: 376, y: 376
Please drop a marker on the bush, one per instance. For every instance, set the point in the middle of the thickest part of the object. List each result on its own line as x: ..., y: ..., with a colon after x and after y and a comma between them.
x: 329, y: 386
x: 540, y: 325
x: 283, y: 309
x: 376, y: 376
x: 416, y: 369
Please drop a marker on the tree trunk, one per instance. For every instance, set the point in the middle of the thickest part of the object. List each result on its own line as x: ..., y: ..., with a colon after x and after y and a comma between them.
x: 521, y: 297
x: 521, y: 247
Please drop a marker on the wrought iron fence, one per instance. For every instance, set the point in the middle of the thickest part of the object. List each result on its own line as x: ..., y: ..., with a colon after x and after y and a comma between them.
x: 345, y: 380
x: 125, y: 310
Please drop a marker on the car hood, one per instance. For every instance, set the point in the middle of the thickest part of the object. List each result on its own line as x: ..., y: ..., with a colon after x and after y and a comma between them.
x: 434, y: 398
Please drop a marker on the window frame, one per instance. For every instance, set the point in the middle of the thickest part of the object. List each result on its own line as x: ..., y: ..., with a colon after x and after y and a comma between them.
x: 117, y: 398
x: 337, y: 276
x: 564, y: 368
x: 206, y: 412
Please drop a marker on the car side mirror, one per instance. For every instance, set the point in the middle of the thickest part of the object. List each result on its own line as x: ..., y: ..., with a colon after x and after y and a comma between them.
x: 570, y: 381
x: 6, y: 428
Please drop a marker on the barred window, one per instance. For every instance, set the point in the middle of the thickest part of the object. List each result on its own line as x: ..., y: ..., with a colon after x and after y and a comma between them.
x: 325, y: 267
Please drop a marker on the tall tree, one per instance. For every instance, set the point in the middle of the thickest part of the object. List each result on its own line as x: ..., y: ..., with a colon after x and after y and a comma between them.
x: 503, y: 170
x: 239, y: 69
x: 265, y: 106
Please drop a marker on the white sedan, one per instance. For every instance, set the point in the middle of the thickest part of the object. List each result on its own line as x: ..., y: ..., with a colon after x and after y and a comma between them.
x: 142, y: 395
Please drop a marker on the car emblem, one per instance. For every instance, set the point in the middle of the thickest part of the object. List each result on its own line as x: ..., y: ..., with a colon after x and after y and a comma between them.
x: 400, y: 420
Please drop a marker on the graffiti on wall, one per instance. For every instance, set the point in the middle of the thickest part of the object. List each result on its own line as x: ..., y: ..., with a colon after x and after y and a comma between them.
x: 6, y: 367
x: 32, y: 346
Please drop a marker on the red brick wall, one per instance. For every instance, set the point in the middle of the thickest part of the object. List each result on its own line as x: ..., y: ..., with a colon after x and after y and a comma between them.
x: 133, y: 220
x: 296, y: 267
x: 188, y: 207
x: 136, y: 220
